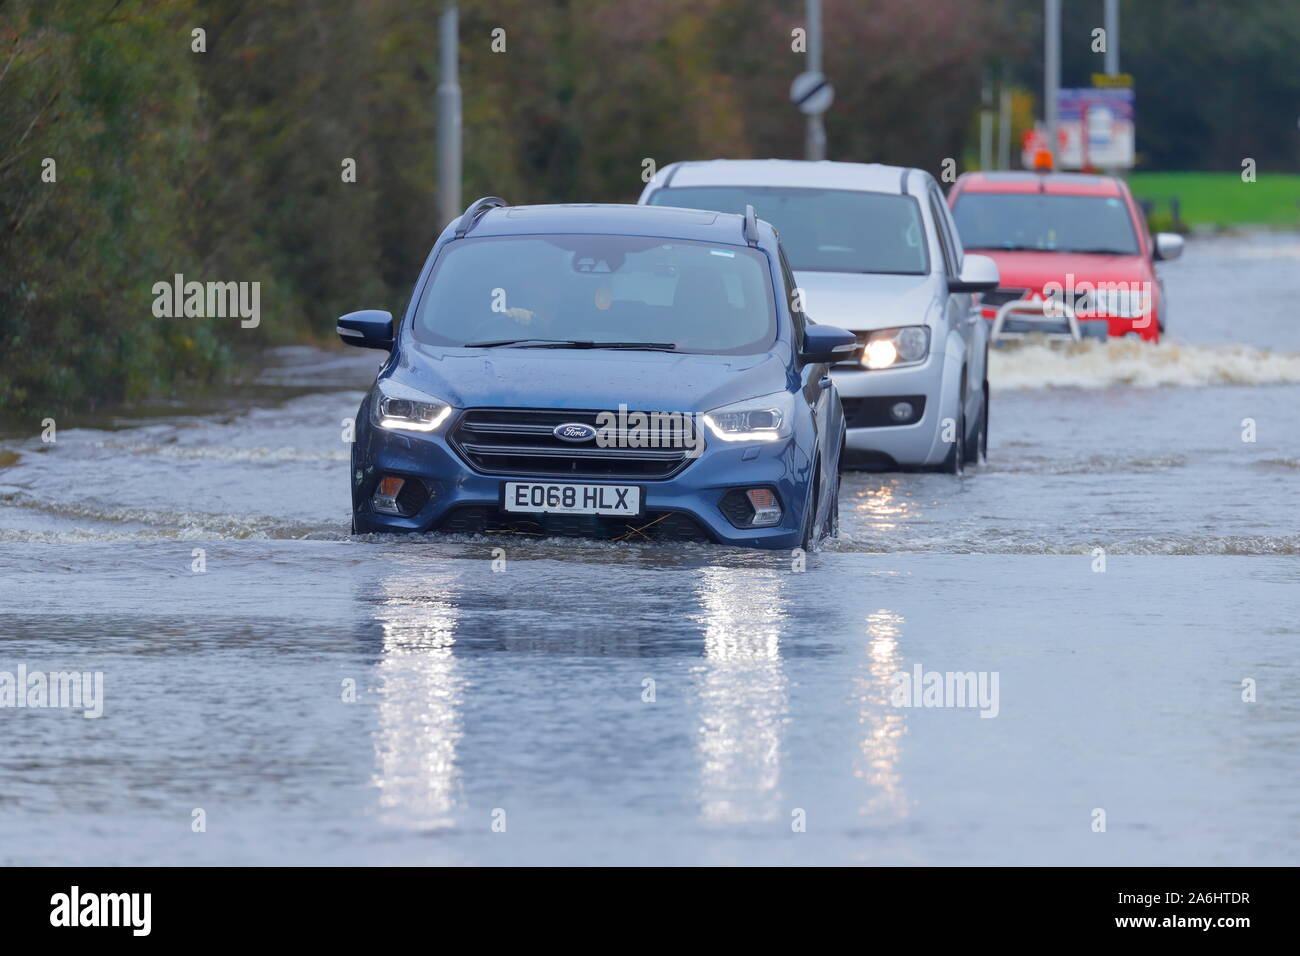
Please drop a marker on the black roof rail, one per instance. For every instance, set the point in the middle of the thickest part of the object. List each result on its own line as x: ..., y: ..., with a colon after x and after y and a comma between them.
x: 751, y: 227
x: 474, y: 210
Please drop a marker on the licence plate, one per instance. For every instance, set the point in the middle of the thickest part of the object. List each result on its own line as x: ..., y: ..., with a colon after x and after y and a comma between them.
x: 533, y: 497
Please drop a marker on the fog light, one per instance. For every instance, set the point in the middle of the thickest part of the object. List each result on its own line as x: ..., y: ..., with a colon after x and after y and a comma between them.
x: 901, y: 411
x: 766, y: 509
x: 385, y: 499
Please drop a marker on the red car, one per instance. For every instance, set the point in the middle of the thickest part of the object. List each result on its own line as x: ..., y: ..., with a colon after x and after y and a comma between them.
x: 1074, y: 245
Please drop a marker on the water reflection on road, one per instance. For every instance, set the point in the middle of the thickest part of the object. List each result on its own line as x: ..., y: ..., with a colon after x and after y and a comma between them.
x: 742, y: 694
x: 421, y: 693
x: 883, y: 725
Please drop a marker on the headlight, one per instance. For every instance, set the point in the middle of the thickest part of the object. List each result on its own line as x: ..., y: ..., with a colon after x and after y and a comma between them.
x: 1121, y: 303
x: 890, y: 348
x: 766, y: 418
x: 404, y: 409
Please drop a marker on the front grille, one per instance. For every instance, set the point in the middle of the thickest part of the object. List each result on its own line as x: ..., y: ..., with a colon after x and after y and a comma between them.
x: 521, y: 441
x: 997, y: 298
x: 874, y: 412
x: 655, y: 526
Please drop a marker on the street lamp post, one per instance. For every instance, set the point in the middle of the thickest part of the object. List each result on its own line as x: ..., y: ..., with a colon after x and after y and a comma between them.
x: 1111, y: 22
x: 1051, y: 69
x: 815, y: 134
x: 449, y: 171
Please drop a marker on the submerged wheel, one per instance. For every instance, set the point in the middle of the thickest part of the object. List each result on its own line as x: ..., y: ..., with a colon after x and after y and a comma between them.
x: 810, y: 531
x: 833, y: 520
x: 955, y: 463
x: 984, y: 432
x: 977, y: 447
x: 805, y: 535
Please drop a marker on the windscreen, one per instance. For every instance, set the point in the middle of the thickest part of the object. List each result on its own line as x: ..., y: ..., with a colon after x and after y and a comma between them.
x: 1045, y: 222
x: 599, y: 288
x: 824, y: 230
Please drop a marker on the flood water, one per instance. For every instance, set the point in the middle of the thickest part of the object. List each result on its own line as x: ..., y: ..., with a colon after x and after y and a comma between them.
x: 565, y: 701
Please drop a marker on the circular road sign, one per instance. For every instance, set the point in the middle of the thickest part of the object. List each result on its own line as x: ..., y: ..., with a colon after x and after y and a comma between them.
x: 812, y: 93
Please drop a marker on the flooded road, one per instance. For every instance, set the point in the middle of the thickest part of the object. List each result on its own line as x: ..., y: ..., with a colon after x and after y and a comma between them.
x: 1110, y: 579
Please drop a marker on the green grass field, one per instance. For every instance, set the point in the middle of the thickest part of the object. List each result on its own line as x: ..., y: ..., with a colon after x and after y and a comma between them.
x: 1222, y: 199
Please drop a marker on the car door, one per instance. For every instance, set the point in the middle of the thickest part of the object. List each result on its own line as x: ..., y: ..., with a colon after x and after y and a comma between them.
x: 817, y: 386
x: 977, y: 330
x: 960, y: 310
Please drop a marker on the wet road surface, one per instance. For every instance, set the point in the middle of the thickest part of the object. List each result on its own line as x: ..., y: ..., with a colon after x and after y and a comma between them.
x: 587, y: 702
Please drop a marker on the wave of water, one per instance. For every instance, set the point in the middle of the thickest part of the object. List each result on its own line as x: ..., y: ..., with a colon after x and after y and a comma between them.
x: 89, y: 520
x: 1022, y: 543
x: 225, y: 452
x: 1092, y: 465
x: 143, y: 526
x: 1036, y: 365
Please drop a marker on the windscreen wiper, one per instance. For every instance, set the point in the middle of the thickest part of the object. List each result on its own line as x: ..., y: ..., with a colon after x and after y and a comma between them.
x: 1102, y: 252
x: 532, y: 343
x: 646, y: 346
x: 571, y: 344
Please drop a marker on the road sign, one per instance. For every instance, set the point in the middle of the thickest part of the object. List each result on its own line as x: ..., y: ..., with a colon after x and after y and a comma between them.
x: 1096, y: 127
x: 812, y: 93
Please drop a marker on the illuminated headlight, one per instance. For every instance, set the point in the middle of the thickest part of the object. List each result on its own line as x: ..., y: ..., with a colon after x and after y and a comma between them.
x: 890, y: 348
x: 757, y: 419
x: 403, y: 409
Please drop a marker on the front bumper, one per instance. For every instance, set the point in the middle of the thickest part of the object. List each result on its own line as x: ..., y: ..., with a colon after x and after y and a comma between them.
x: 910, y: 445
x: 461, y: 499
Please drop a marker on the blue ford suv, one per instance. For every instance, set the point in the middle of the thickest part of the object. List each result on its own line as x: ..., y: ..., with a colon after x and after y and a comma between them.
x: 624, y: 372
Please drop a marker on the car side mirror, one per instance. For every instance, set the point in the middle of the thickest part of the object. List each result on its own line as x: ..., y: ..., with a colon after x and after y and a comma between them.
x: 1169, y: 245
x: 978, y: 274
x: 827, y: 344
x: 367, y: 329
